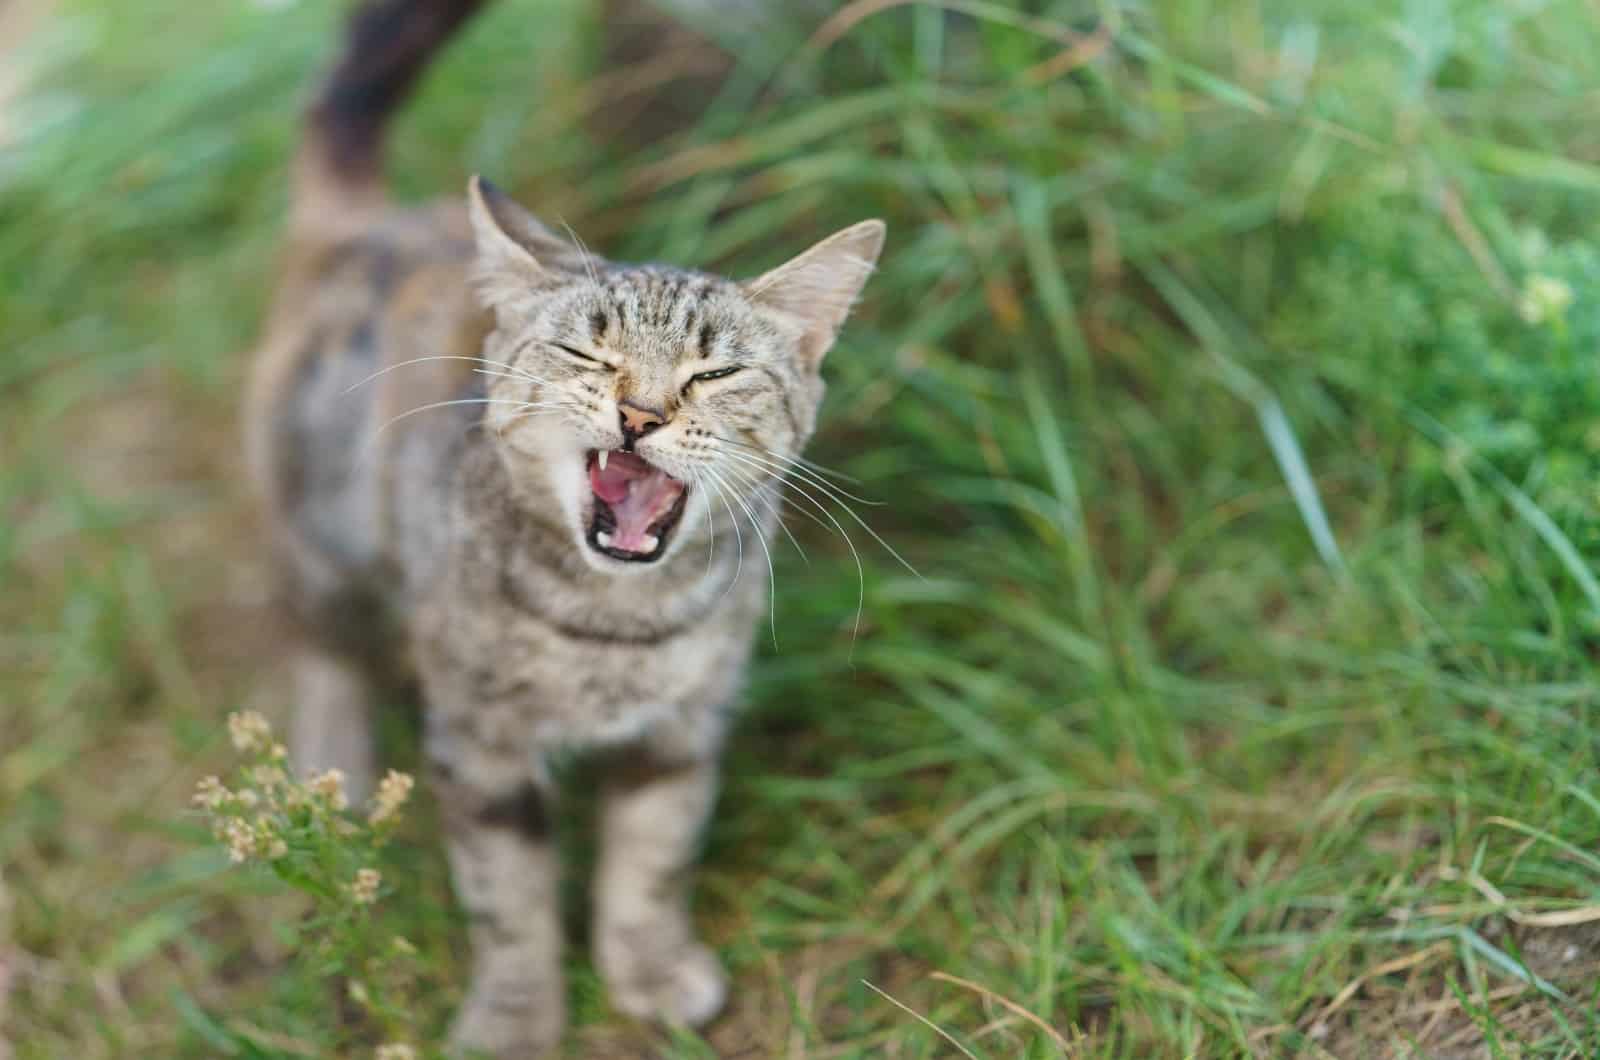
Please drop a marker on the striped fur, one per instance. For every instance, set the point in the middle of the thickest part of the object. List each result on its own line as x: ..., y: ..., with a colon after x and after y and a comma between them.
x: 423, y: 403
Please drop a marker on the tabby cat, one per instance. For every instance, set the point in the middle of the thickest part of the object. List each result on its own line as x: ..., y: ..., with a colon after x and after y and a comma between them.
x: 537, y: 481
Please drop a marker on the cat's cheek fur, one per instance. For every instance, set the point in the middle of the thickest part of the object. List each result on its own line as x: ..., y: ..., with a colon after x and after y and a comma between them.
x: 565, y: 470
x: 549, y: 461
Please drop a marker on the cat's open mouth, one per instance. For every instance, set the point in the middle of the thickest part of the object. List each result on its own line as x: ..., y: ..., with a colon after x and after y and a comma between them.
x: 636, y: 506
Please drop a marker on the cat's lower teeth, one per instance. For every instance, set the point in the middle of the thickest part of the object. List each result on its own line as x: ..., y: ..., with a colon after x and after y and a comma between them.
x: 647, y: 543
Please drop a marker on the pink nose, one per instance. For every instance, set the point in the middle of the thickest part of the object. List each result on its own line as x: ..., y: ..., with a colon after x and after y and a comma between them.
x: 638, y: 421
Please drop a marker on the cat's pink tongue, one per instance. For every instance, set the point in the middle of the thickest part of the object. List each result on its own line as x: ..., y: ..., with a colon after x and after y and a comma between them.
x: 611, y: 485
x: 638, y: 495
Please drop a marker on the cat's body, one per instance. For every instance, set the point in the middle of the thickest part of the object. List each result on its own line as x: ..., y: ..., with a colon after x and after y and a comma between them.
x: 542, y: 483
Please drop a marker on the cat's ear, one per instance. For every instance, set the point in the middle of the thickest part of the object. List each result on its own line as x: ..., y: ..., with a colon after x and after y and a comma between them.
x: 818, y: 287
x: 516, y: 254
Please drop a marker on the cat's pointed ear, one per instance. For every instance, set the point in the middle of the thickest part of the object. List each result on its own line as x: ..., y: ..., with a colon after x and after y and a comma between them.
x: 818, y: 287
x: 516, y: 254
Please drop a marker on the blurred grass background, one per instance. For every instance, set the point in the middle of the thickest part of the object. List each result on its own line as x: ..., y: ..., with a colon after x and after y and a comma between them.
x: 1230, y: 376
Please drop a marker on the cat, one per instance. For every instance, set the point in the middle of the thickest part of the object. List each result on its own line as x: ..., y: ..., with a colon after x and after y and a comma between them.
x: 537, y: 480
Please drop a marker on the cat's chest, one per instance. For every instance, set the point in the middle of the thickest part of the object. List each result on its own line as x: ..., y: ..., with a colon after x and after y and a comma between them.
x: 552, y: 689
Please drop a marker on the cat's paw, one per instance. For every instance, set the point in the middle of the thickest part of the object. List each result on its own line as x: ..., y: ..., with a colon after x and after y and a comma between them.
x: 502, y: 1026
x: 687, y: 987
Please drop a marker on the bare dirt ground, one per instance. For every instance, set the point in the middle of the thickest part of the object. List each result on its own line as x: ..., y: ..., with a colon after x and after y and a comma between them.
x: 1409, y: 1010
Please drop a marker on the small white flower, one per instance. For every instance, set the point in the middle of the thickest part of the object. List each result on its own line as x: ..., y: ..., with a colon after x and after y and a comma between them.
x: 241, y: 840
x: 365, y: 888
x: 396, y: 1051
x: 1544, y: 298
x: 249, y: 731
x: 393, y: 790
x: 210, y: 793
x: 270, y: 779
x: 329, y: 787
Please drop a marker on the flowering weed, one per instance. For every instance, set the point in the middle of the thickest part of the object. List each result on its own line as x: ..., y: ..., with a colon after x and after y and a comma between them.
x: 301, y: 833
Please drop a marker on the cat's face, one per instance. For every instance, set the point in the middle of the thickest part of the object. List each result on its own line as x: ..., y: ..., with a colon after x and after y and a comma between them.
x: 655, y: 401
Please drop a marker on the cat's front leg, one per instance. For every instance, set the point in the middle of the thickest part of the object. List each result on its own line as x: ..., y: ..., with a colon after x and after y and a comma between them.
x: 503, y: 862
x: 652, y: 811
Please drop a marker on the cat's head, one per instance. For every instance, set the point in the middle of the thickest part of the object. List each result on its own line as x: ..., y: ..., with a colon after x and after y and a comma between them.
x: 650, y: 400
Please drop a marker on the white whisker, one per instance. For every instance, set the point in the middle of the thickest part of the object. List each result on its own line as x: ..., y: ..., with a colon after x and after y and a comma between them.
x: 546, y: 409
x: 778, y: 482
x: 507, y: 375
x: 738, y: 567
x: 583, y: 252
x: 789, y: 465
x: 443, y: 357
x: 761, y: 539
x: 861, y: 574
x: 832, y: 494
x: 771, y: 492
x: 443, y: 404
x: 711, y: 524
x: 803, y: 462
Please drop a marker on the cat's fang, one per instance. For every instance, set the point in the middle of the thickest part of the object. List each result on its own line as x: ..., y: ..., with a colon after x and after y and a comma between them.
x: 601, y: 457
x: 650, y: 541
x: 604, y: 539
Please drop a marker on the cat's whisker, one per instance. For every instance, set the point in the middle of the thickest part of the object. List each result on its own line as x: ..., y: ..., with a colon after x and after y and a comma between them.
x: 803, y: 462
x: 767, y: 491
x: 443, y: 404
x: 738, y: 567
x: 583, y: 252
x: 761, y: 539
x: 369, y: 446
x: 506, y: 424
x: 711, y: 525
x: 795, y: 458
x: 739, y: 498
x: 509, y: 375
x: 793, y: 507
x: 861, y: 573
x: 442, y: 357
x: 770, y: 481
x: 832, y: 495
x: 547, y: 409
x: 795, y: 465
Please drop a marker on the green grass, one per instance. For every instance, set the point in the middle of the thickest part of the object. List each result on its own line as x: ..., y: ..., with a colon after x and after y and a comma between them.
x: 1255, y: 651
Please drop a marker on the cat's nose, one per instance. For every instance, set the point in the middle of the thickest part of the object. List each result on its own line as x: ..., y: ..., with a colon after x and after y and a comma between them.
x: 638, y: 421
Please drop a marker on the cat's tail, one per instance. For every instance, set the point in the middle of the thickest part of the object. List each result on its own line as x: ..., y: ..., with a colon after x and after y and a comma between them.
x: 338, y: 180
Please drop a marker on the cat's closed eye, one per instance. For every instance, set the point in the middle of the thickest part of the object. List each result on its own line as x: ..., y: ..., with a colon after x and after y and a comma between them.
x: 706, y: 377
x: 580, y: 355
